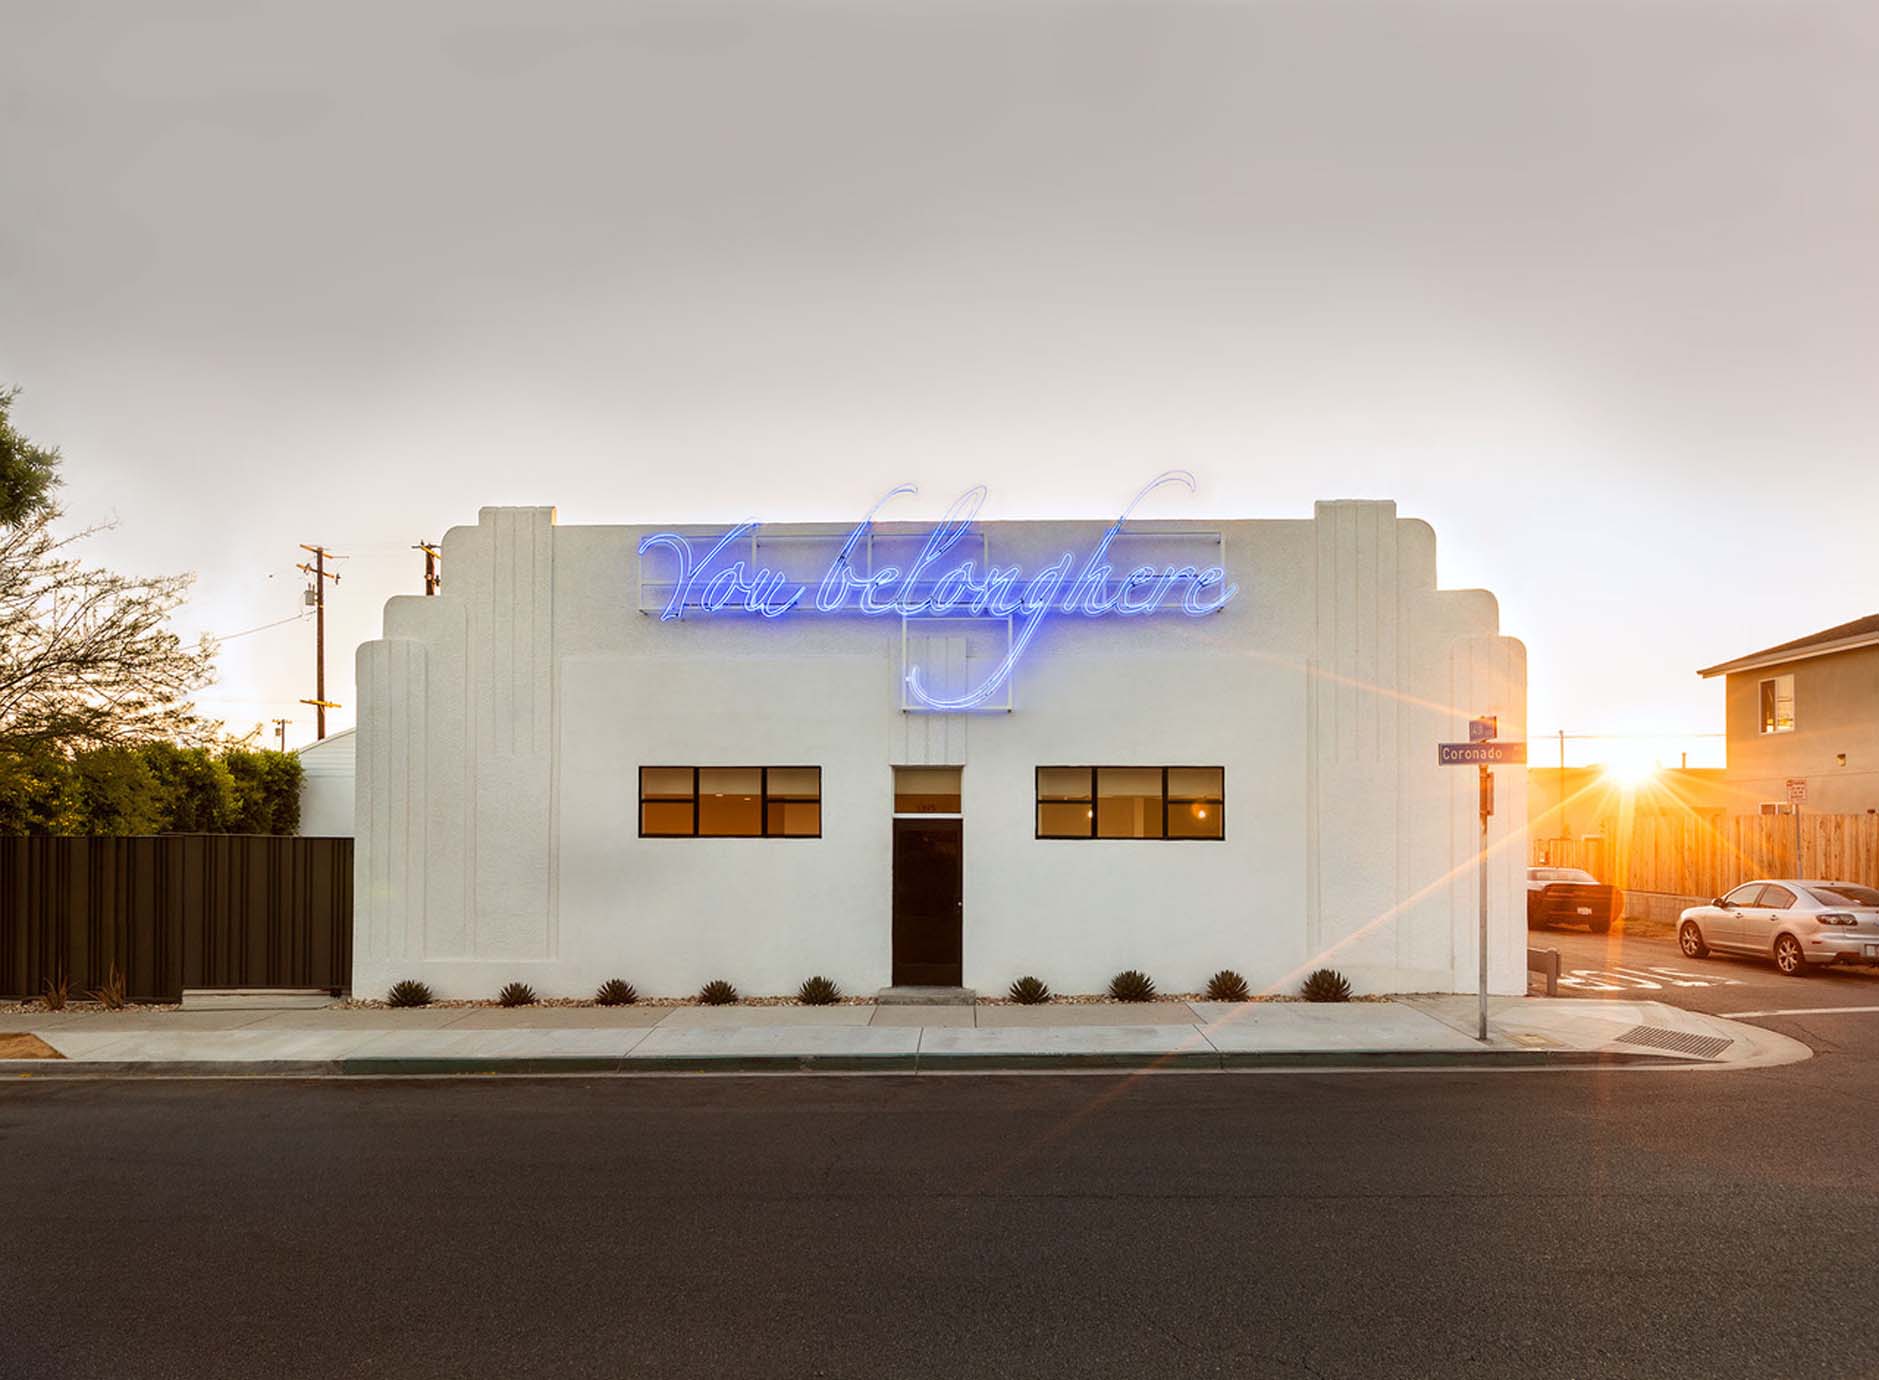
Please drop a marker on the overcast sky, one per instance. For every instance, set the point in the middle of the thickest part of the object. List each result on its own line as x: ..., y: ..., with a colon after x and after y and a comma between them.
x: 1590, y: 286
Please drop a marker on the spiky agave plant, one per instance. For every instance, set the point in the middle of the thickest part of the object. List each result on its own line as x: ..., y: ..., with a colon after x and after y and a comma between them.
x: 818, y: 991
x: 1227, y: 985
x: 616, y: 992
x: 516, y: 994
x: 1326, y: 984
x: 1131, y: 985
x: 57, y: 992
x: 1029, y: 991
x: 112, y: 995
x: 408, y: 993
x: 717, y: 992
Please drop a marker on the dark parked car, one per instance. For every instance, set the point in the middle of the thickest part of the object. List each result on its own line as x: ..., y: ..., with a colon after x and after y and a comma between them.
x: 1567, y: 895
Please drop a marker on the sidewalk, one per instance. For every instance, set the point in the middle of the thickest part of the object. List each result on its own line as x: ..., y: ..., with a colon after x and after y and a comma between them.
x: 1414, y: 1031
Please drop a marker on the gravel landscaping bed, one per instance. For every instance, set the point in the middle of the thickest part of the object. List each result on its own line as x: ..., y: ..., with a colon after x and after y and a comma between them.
x: 78, y: 1007
x: 379, y: 1004
x: 1085, y: 999
x: 460, y: 1003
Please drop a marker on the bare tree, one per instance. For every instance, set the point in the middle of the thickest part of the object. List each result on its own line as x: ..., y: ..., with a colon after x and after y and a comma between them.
x: 86, y: 655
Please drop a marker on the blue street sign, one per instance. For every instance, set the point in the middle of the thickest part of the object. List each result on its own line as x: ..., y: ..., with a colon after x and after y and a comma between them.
x: 1481, y: 754
x: 1484, y: 729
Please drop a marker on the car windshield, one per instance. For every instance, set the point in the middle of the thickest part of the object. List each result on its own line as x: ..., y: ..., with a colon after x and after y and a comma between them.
x: 1845, y: 895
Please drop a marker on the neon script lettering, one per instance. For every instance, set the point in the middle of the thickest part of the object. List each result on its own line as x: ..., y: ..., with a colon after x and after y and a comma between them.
x: 716, y: 580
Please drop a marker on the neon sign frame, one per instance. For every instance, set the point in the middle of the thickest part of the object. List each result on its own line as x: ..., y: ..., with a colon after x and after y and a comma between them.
x: 714, y: 583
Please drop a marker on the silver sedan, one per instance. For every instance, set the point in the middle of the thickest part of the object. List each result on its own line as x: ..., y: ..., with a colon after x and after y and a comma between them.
x: 1798, y: 923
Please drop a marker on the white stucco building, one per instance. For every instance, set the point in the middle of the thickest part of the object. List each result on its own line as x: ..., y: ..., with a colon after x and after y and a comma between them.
x: 328, y: 776
x: 582, y: 760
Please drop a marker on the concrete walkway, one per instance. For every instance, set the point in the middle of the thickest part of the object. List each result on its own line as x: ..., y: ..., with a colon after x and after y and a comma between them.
x: 1427, y: 1031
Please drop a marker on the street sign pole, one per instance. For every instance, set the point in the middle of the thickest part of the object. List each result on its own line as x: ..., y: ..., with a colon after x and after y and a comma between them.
x: 1482, y: 751
x: 1481, y: 866
x: 1797, y: 795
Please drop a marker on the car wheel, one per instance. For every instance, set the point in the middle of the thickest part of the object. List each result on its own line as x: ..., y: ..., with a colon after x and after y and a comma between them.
x: 1598, y: 926
x: 1789, y: 958
x: 1690, y: 940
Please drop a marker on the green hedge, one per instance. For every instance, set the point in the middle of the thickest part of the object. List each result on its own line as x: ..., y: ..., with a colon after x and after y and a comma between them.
x: 158, y: 788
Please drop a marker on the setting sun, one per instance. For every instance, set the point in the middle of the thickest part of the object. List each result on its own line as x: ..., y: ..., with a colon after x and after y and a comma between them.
x: 1632, y: 768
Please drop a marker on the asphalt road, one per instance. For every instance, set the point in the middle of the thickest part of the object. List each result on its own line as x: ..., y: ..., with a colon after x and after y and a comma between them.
x: 1629, y: 966
x: 1635, y: 1223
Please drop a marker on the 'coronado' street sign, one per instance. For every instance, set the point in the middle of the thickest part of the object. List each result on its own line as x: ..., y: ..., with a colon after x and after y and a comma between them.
x: 1481, y: 754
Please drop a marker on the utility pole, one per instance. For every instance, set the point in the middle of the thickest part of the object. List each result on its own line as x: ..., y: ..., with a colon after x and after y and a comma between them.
x: 280, y: 729
x: 1565, y: 831
x: 432, y: 556
x: 320, y: 576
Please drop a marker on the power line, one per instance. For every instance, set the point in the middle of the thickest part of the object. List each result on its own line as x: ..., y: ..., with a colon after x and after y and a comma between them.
x: 278, y: 622
x: 1608, y: 737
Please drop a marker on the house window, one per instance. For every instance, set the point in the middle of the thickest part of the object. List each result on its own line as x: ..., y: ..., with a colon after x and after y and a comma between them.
x: 730, y: 802
x: 1066, y: 802
x: 1196, y: 802
x: 668, y: 801
x: 1131, y: 802
x: 1777, y: 696
x: 792, y: 802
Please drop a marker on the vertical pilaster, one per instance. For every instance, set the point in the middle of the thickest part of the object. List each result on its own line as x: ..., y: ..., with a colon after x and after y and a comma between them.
x: 391, y: 816
x: 1353, y: 758
x: 510, y: 602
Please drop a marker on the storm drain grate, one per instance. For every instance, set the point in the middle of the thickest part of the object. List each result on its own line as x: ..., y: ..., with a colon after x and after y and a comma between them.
x: 1656, y: 1037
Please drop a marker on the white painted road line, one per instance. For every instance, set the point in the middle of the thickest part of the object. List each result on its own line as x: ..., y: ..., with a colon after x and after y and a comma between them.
x: 1797, y: 1011
x: 1619, y: 978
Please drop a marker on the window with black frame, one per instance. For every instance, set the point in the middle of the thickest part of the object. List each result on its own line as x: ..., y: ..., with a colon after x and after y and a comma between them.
x: 1131, y: 802
x: 730, y: 802
x: 1196, y: 807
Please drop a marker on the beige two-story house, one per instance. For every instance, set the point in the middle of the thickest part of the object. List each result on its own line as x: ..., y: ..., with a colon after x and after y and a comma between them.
x: 1803, y: 720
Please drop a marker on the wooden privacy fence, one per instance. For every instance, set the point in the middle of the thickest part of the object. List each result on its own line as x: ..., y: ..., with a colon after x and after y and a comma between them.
x: 182, y: 910
x: 1687, y: 856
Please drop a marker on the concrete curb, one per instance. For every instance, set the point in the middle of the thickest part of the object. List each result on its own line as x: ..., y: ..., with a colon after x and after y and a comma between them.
x: 395, y: 1066
x: 1189, y: 1060
x: 769, y: 1063
x: 1183, y: 1062
x: 167, y: 1068
x: 1461, y: 1059
x: 1428, y: 1032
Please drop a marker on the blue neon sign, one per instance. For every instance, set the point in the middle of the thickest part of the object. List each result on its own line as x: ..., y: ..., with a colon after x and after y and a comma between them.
x: 933, y: 586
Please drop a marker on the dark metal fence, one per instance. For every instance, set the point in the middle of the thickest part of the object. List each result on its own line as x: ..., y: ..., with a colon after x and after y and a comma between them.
x: 182, y: 910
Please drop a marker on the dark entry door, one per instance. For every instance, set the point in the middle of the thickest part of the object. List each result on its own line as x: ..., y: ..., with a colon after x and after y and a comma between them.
x: 927, y: 903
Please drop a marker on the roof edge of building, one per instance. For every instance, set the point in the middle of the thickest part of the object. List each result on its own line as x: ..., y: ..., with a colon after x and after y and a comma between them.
x: 1803, y: 650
